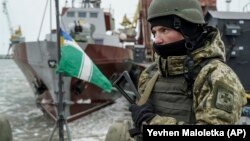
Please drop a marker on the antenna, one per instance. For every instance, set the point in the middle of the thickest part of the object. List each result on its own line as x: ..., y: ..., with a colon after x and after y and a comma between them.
x: 72, y: 3
x: 245, y: 7
x: 228, y: 4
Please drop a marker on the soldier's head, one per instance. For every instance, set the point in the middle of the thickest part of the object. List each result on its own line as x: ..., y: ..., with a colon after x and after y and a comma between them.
x: 175, y: 21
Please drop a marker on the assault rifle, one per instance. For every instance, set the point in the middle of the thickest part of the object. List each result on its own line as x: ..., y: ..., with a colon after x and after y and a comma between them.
x: 123, y: 83
x: 126, y: 87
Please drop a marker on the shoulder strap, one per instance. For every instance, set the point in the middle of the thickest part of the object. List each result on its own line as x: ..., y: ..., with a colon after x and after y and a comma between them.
x: 196, y: 70
x: 148, y: 89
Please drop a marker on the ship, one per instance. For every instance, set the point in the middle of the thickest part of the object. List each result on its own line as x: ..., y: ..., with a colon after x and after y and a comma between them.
x: 88, y: 24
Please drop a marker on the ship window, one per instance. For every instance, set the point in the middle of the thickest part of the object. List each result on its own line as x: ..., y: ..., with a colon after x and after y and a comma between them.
x: 99, y: 41
x: 71, y: 14
x: 93, y: 15
x: 82, y: 14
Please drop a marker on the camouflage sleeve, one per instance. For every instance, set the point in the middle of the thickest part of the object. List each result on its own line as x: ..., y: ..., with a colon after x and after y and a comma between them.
x: 218, y: 95
x: 163, y: 120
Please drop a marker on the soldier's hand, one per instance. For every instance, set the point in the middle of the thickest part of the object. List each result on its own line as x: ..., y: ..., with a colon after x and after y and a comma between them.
x: 143, y: 113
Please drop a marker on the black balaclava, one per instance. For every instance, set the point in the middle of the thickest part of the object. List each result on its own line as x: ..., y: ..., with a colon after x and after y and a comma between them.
x: 190, y: 31
x: 172, y: 49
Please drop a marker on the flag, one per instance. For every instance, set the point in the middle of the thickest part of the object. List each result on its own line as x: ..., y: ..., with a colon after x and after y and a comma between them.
x: 75, y: 62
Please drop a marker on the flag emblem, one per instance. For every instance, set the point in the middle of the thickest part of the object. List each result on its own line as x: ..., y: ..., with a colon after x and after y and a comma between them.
x: 75, y: 62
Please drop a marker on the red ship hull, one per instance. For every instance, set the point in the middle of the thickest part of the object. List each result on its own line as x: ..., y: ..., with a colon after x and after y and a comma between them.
x: 80, y: 97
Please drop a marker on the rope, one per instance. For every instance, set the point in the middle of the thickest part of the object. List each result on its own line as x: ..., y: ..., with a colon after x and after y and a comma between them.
x: 46, y: 5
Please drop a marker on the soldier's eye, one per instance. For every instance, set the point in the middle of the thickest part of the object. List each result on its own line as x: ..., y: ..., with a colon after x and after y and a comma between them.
x: 165, y: 30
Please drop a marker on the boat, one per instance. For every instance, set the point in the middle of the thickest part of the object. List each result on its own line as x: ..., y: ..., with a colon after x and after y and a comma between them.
x: 88, y: 25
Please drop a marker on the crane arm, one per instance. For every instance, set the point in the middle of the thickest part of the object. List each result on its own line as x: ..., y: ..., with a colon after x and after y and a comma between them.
x: 5, y: 11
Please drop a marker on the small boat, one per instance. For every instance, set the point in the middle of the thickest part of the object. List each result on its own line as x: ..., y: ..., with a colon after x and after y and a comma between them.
x: 87, y: 25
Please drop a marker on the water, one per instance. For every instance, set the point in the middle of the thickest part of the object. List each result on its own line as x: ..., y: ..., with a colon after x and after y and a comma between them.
x: 17, y: 103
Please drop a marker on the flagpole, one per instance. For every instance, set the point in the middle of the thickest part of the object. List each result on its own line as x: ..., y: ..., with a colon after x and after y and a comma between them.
x: 60, y: 99
x: 60, y: 104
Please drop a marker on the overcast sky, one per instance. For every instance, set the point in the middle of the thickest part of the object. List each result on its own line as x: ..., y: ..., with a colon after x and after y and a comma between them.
x: 28, y: 14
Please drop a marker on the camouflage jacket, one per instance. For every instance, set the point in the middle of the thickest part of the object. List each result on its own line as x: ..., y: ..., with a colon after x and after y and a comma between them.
x: 218, y: 95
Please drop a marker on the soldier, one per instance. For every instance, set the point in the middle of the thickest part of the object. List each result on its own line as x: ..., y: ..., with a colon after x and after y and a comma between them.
x: 189, y: 83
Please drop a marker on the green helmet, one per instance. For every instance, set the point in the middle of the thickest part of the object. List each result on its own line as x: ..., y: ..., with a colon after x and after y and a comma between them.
x: 189, y: 10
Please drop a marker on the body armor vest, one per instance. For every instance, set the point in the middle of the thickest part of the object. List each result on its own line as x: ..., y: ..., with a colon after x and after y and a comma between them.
x: 169, y: 98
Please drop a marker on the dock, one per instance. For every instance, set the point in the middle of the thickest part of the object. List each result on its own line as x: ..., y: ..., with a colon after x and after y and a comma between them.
x: 5, y: 56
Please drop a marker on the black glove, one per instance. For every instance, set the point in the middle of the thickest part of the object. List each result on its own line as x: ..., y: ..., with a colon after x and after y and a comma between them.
x: 141, y: 113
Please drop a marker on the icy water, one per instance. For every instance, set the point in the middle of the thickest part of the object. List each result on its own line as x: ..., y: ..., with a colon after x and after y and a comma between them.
x: 17, y: 103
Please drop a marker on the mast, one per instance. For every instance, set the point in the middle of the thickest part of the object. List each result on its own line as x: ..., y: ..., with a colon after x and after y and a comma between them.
x: 228, y: 4
x: 207, y: 5
x: 145, y: 34
x: 245, y: 7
